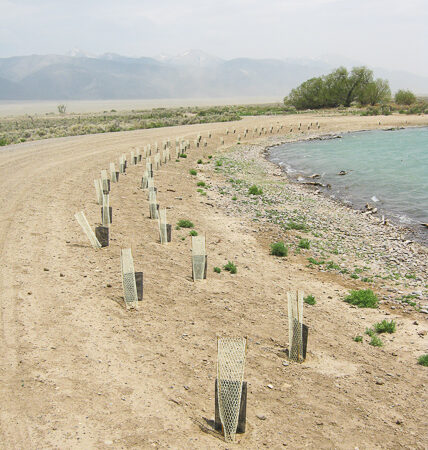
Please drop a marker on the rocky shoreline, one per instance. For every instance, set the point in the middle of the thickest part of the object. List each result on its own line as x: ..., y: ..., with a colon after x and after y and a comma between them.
x: 355, y: 246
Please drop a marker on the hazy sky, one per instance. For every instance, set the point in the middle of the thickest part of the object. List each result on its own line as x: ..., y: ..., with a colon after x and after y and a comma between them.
x: 386, y: 33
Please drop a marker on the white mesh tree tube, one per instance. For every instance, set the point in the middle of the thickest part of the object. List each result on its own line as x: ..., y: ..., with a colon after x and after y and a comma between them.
x: 83, y: 222
x: 98, y: 191
x: 153, y: 207
x: 198, y: 257
x: 104, y: 181
x: 295, y: 328
x: 128, y: 278
x: 113, y: 172
x: 230, y: 375
x: 162, y: 226
x: 106, y: 211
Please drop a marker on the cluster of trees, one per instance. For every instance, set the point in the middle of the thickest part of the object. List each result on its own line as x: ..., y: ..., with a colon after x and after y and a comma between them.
x: 341, y: 88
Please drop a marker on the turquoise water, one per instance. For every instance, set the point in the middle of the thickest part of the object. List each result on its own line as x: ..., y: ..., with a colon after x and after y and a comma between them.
x: 388, y: 169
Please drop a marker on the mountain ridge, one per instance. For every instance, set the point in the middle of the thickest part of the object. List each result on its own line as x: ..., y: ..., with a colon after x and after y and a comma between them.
x: 192, y: 74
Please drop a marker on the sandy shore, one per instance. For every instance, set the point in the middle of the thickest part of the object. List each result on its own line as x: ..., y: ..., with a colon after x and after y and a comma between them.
x: 80, y: 371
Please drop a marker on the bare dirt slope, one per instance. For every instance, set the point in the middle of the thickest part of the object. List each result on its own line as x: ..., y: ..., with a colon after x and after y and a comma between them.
x: 79, y: 371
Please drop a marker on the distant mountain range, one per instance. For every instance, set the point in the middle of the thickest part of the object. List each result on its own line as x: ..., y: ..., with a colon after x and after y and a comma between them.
x: 194, y: 74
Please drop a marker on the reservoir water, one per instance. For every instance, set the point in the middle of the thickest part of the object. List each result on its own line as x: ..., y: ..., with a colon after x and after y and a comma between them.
x: 388, y: 169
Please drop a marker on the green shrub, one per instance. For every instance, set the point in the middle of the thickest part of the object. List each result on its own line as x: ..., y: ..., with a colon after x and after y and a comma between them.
x: 200, y: 161
x: 363, y: 298
x: 403, y: 97
x: 423, y: 360
x: 296, y: 226
x: 230, y: 267
x: 234, y: 197
x: 310, y: 300
x: 217, y: 269
x: 278, y: 249
x: 304, y: 243
x: 193, y: 233
x: 193, y: 172
x: 219, y: 163
x: 331, y: 265
x: 370, y: 332
x: 255, y: 190
x: 210, y: 156
x: 358, y: 339
x: 385, y: 326
x: 183, y: 155
x: 315, y: 262
x: 184, y: 223
x: 201, y: 183
x: 354, y: 276
x: 375, y: 342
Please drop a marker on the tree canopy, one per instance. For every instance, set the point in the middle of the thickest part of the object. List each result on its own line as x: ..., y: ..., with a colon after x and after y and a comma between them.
x: 340, y: 88
x: 403, y: 97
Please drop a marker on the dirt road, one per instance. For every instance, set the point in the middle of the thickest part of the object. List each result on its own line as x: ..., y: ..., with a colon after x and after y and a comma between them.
x: 79, y: 371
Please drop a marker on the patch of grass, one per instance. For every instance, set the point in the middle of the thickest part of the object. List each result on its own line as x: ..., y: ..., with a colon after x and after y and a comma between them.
x: 354, y: 276
x: 278, y: 249
x: 193, y: 172
x: 370, y: 332
x: 423, y: 360
x: 255, y: 190
x: 183, y: 155
x: 315, y: 262
x: 385, y: 326
x: 230, y: 267
x: 234, y: 197
x: 193, y: 233
x: 184, y: 223
x: 219, y: 163
x: 310, y: 300
x: 363, y: 298
x: 291, y: 225
x: 200, y: 161
x: 210, y: 156
x: 201, y: 183
x: 331, y: 265
x: 375, y: 342
x: 358, y: 339
x: 410, y: 276
x: 304, y: 243
x: 217, y: 269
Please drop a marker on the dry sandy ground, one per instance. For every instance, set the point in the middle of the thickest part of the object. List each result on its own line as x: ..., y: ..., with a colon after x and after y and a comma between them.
x: 80, y: 371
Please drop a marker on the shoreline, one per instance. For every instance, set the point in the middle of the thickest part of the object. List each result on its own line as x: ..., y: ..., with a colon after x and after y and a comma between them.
x: 415, y: 230
x: 403, y: 254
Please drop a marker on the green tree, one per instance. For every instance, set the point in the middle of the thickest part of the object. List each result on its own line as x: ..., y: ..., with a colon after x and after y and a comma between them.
x: 403, y: 97
x: 377, y: 91
x: 340, y: 87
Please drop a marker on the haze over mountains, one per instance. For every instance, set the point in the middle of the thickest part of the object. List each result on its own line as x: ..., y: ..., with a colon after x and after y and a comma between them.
x: 193, y: 74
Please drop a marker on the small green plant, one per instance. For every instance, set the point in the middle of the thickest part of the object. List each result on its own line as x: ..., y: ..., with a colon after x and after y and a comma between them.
x: 210, y: 156
x: 217, y: 269
x: 201, y: 183
x: 315, y: 262
x: 200, y: 161
x: 177, y: 160
x: 423, y: 360
x: 278, y: 249
x: 184, y: 223
x: 385, y: 326
x: 354, y: 276
x: 310, y: 300
x: 219, y: 163
x: 358, y: 339
x: 234, y: 197
x: 193, y: 172
x: 304, y: 243
x: 375, y: 342
x: 370, y: 332
x: 183, y: 155
x: 193, y: 233
x: 363, y: 298
x: 331, y: 265
x: 230, y: 267
x: 255, y: 190
x: 291, y: 225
